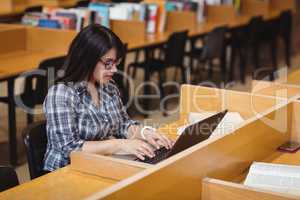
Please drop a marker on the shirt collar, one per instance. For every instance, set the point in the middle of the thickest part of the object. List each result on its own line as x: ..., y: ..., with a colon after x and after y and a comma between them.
x: 81, y: 87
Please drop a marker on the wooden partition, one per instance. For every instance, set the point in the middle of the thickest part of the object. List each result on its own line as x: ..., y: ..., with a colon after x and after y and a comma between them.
x: 13, y: 4
x: 284, y: 90
x: 221, y: 13
x: 292, y: 77
x: 12, y: 39
x: 129, y: 31
x: 214, y: 189
x: 254, y: 7
x: 23, y: 48
x: 199, y: 99
x: 56, y: 3
x: 181, y: 20
x: 49, y: 39
x: 275, y: 89
x: 283, y: 5
x: 104, y: 166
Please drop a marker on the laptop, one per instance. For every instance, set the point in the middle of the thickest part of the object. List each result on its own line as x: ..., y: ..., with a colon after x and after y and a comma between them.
x: 192, y: 134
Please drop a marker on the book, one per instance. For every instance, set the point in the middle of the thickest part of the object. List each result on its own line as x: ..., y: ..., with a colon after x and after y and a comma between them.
x: 102, y: 13
x: 151, y: 18
x: 274, y: 177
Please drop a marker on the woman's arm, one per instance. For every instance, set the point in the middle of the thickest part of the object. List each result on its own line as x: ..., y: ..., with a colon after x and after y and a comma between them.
x: 136, y: 147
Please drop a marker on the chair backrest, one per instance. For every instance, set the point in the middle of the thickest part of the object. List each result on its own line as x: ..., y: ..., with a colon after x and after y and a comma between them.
x: 214, y: 43
x: 35, y: 140
x: 82, y: 3
x: 45, y: 78
x: 34, y: 9
x: 121, y: 79
x: 256, y: 28
x: 286, y: 23
x: 174, y: 52
x: 8, y: 178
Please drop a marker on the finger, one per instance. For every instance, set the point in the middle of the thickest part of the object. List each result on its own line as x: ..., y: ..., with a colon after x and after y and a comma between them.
x: 146, y: 151
x: 168, y: 141
x: 164, y: 141
x: 161, y: 144
x: 149, y: 149
x: 153, y: 142
x: 139, y: 155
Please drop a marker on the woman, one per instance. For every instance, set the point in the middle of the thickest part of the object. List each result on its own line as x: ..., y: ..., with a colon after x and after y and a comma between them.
x: 84, y: 110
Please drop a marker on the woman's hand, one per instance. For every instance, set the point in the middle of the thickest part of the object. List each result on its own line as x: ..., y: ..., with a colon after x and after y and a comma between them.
x: 156, y: 139
x: 137, y: 147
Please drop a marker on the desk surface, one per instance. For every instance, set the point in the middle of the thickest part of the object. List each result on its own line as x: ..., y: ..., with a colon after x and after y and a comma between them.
x: 71, y: 184
x: 63, y: 183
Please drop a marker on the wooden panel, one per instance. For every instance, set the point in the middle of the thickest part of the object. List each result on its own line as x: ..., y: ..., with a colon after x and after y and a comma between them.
x: 5, y: 6
x: 180, y: 20
x: 275, y: 89
x: 12, y: 40
x: 199, y: 99
x: 254, y: 7
x: 296, y: 122
x: 283, y: 5
x: 223, y: 158
x: 58, y: 3
x: 293, y: 77
x: 49, y: 39
x: 104, y: 166
x: 221, y: 13
x: 62, y: 184
x: 213, y: 189
x: 129, y: 31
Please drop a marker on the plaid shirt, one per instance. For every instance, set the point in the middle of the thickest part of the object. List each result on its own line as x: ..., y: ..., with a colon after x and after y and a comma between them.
x: 72, y: 119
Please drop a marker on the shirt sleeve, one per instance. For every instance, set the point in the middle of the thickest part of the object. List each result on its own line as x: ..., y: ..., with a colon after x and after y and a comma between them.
x: 125, y: 121
x: 62, y: 128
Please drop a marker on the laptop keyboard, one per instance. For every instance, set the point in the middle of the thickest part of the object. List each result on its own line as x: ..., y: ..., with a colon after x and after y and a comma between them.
x: 160, y: 154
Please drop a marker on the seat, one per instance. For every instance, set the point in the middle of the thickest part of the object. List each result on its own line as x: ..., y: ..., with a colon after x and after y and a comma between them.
x: 45, y: 77
x: 35, y: 140
x: 8, y: 178
x: 262, y: 32
x: 252, y: 37
x: 214, y: 45
x: 172, y: 54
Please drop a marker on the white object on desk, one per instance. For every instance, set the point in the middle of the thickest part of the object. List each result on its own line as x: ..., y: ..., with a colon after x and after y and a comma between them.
x: 274, y: 177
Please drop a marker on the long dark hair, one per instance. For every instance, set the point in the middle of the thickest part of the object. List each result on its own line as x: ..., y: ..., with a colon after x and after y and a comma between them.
x: 86, y: 49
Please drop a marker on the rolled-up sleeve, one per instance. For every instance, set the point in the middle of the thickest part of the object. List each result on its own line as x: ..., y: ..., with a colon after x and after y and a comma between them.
x: 62, y: 128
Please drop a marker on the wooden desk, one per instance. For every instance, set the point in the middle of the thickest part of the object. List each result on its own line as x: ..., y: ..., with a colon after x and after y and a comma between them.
x: 225, y: 157
x: 23, y: 48
x: 215, y: 189
x: 294, y: 77
x: 64, y: 183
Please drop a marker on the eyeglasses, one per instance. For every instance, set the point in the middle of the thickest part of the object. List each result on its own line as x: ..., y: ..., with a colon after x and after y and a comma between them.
x: 110, y: 63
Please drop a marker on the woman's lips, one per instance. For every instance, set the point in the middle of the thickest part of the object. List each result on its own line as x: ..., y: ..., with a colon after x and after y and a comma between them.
x: 109, y: 76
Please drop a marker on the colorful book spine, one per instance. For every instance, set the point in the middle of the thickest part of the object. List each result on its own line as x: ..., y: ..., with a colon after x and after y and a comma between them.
x: 102, y: 11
